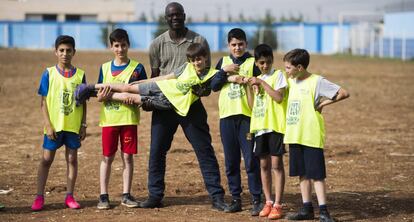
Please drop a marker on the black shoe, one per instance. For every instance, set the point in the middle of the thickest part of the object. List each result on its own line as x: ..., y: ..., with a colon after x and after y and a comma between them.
x: 303, y: 214
x: 257, y: 207
x: 234, y: 207
x: 325, y: 217
x: 151, y: 203
x: 218, y: 204
x: 129, y: 201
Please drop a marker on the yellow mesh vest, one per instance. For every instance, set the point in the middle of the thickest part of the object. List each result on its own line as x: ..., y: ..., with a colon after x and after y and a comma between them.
x: 178, y: 91
x: 63, y: 113
x: 233, y: 98
x: 304, y: 125
x: 116, y: 113
x: 267, y: 113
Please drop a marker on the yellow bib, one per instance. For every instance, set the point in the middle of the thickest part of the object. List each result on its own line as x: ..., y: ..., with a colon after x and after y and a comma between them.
x: 178, y: 91
x: 116, y: 113
x: 304, y: 125
x: 233, y: 98
x: 267, y: 113
x: 63, y: 113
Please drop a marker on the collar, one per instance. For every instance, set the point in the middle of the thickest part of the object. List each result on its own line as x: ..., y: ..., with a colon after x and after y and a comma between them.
x: 187, y: 38
x: 241, y: 59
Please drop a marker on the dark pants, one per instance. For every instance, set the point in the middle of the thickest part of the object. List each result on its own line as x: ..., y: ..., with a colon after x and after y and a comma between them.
x: 163, y: 127
x: 233, y: 132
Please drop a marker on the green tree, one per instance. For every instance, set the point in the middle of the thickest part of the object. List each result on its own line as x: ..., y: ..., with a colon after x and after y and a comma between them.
x: 143, y: 17
x: 265, y: 33
x: 105, y: 31
x: 162, y: 26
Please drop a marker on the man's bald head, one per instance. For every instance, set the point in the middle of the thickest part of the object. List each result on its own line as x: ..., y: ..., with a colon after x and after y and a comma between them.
x: 176, y: 5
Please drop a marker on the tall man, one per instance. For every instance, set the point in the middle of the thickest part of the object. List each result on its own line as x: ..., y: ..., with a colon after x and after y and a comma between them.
x: 168, y: 53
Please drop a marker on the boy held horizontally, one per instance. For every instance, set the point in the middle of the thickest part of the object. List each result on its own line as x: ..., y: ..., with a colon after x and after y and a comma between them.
x: 305, y: 131
x: 64, y: 123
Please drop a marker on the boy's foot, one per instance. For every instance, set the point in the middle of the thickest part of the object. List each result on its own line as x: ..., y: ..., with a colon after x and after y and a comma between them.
x: 235, y: 206
x: 218, y: 204
x: 129, y: 201
x: 38, y: 203
x: 256, y: 208
x: 151, y: 203
x: 325, y: 217
x: 275, y: 213
x: 103, y: 202
x: 71, y: 202
x: 303, y: 214
x: 266, y: 210
x: 83, y: 92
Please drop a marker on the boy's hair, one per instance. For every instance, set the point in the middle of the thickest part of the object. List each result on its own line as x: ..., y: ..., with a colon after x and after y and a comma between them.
x: 119, y: 35
x: 196, y: 50
x: 297, y: 56
x: 65, y: 39
x: 263, y: 50
x: 237, y: 34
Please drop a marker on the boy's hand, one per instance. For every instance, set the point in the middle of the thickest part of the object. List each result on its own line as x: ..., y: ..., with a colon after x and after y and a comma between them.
x: 231, y: 69
x: 129, y: 101
x: 82, y: 133
x: 104, y: 93
x: 50, y: 132
x: 254, y: 81
x: 238, y: 79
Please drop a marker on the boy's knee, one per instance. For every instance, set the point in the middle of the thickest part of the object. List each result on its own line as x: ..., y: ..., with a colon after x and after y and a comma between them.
x: 72, y: 160
x: 277, y: 168
x: 107, y: 160
x: 47, y: 162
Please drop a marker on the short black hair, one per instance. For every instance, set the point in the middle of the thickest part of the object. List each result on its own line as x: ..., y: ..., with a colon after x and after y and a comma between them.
x: 195, y: 50
x: 119, y: 35
x: 297, y: 56
x: 263, y: 50
x: 174, y: 4
x: 65, y: 39
x: 236, y: 33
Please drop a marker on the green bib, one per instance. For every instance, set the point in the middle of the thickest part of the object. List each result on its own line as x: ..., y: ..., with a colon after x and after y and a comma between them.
x: 178, y: 91
x: 233, y: 98
x: 115, y: 113
x: 63, y: 113
x: 267, y: 113
x: 304, y: 125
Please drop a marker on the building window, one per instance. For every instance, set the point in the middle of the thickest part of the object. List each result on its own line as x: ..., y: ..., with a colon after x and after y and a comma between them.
x: 41, y: 17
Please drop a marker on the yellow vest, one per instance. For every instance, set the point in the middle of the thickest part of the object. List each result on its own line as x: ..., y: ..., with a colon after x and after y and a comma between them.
x: 178, y: 91
x: 304, y: 125
x: 63, y: 113
x: 267, y: 113
x: 116, y: 113
x: 233, y: 98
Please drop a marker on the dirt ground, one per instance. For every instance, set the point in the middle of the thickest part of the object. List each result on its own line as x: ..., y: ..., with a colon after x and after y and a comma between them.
x: 369, y: 150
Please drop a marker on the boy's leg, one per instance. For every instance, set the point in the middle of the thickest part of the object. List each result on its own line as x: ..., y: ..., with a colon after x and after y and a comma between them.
x: 47, y: 159
x: 320, y: 190
x: 279, y: 178
x: 105, y: 173
x: 71, y: 156
x: 305, y: 189
x: 127, y: 173
x: 119, y: 87
x: 266, y: 176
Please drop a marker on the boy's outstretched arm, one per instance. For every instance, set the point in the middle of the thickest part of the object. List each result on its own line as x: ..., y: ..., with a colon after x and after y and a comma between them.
x: 340, y: 95
x: 154, y: 79
x: 50, y: 131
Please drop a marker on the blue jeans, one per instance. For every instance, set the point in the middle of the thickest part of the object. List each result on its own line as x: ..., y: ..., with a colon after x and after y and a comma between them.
x: 163, y: 127
x: 233, y: 130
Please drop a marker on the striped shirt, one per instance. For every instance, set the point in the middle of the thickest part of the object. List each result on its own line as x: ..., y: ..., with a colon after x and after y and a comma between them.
x: 167, y: 55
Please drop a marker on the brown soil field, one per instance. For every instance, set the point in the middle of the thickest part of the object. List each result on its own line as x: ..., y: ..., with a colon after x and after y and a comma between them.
x: 369, y: 150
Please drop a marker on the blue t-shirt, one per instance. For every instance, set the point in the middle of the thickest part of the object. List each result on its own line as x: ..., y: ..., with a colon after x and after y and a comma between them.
x: 139, y: 72
x: 44, y: 82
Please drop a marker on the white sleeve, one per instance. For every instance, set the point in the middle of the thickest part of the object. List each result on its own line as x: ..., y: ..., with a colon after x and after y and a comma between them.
x: 281, y: 81
x: 326, y: 88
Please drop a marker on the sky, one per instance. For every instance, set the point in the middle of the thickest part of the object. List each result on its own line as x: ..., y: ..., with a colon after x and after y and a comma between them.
x: 311, y: 10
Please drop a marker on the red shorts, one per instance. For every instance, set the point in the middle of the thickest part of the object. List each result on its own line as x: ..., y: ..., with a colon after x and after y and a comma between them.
x: 128, y: 135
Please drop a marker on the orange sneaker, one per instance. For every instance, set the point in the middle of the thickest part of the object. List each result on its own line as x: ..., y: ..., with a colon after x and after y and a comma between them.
x: 266, y: 210
x: 275, y: 213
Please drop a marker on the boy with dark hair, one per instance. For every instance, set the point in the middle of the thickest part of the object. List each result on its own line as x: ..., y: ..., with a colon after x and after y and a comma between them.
x: 268, y: 126
x: 305, y: 130
x: 235, y: 111
x: 64, y: 122
x: 119, y: 121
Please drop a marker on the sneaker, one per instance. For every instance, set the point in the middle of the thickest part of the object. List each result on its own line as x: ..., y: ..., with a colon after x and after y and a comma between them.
x: 71, y: 202
x: 218, y: 204
x: 104, y: 202
x: 38, y: 203
x: 151, y: 203
x: 257, y: 206
x: 303, y: 214
x: 235, y: 206
x: 83, y: 92
x: 266, y: 210
x: 275, y: 213
x: 325, y: 217
x: 129, y: 201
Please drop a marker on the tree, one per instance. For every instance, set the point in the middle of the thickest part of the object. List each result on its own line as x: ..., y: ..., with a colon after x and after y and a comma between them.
x: 105, y: 31
x: 162, y: 26
x: 265, y: 33
x: 143, y: 17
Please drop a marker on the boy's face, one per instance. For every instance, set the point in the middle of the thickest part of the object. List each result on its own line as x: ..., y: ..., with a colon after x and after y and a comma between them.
x: 199, y: 63
x: 237, y: 47
x: 65, y: 53
x: 264, y: 64
x: 293, y: 71
x: 120, y: 49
